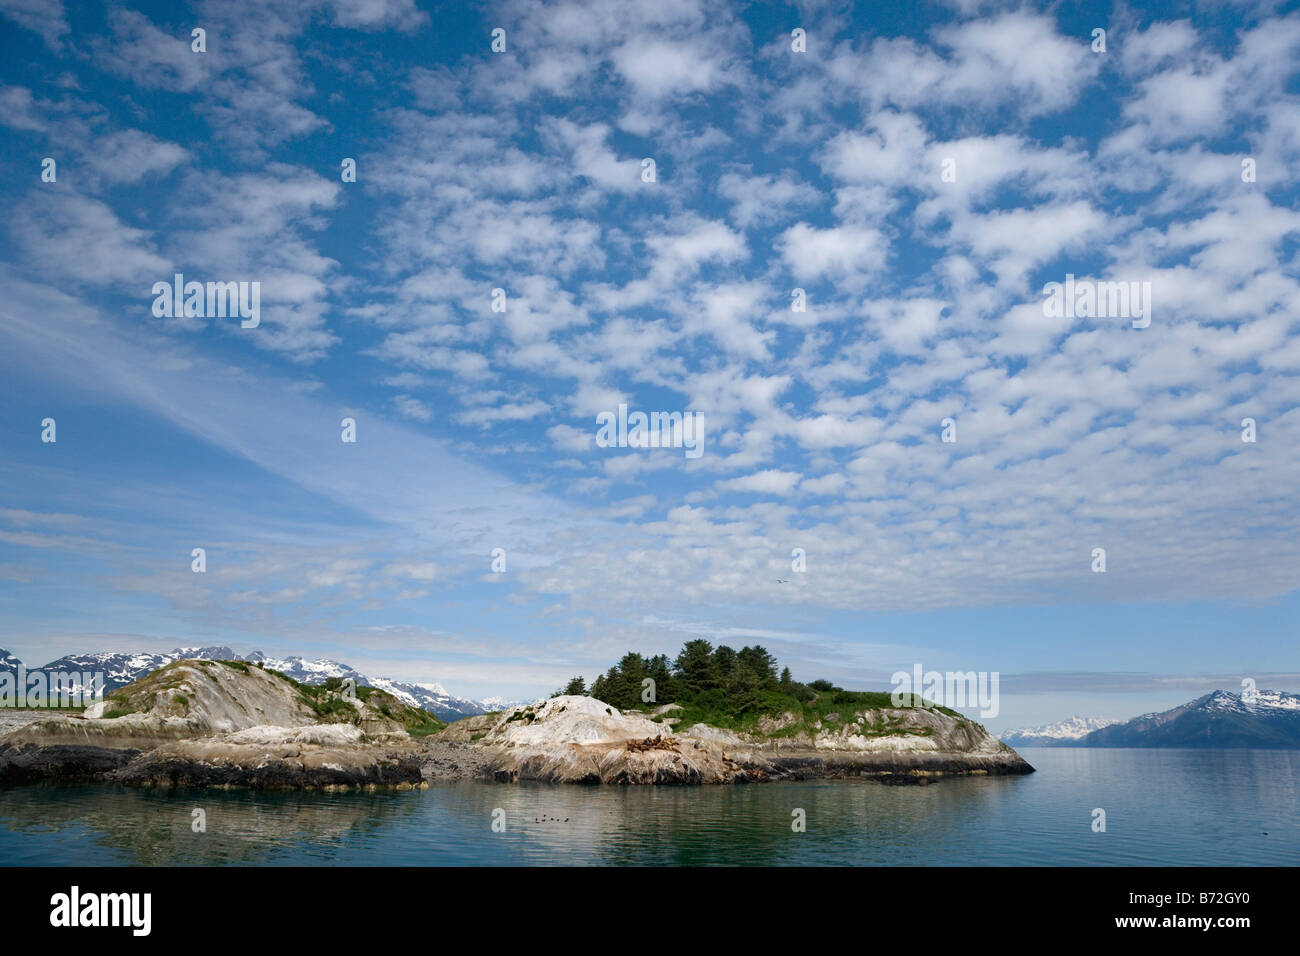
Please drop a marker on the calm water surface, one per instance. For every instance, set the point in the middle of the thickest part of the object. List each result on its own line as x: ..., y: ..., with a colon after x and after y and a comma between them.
x: 1175, y: 807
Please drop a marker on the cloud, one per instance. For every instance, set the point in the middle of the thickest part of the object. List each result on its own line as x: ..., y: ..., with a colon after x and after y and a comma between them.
x: 18, y: 110
x: 1015, y: 59
x: 666, y: 68
x: 46, y: 17
x: 65, y: 235
x: 769, y: 482
x: 838, y: 252
x: 410, y: 407
x: 129, y: 155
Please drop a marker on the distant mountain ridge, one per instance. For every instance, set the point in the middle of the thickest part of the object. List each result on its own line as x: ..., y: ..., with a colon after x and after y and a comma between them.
x: 1271, y: 720
x: 1062, y: 733
x: 121, y: 669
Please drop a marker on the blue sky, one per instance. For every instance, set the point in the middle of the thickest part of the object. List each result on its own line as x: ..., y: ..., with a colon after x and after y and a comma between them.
x: 774, y: 170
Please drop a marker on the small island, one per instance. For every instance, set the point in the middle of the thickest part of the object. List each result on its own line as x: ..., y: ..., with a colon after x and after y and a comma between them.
x: 728, y: 718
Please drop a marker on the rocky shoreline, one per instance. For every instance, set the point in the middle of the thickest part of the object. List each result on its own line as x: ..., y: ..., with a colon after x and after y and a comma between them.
x: 444, y: 762
x: 203, y: 725
x: 431, y: 762
x: 582, y: 740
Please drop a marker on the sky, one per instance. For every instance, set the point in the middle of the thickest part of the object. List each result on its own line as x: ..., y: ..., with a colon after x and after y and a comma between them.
x: 832, y: 246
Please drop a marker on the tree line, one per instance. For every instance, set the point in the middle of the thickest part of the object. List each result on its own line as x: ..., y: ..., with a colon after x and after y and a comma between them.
x: 716, y: 678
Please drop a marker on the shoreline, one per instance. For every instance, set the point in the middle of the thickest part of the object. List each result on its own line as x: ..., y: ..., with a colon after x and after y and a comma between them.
x: 449, y: 761
x: 221, y: 725
x: 418, y: 764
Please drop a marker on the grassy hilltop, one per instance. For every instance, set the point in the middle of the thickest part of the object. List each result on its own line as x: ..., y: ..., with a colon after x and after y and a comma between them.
x: 740, y: 690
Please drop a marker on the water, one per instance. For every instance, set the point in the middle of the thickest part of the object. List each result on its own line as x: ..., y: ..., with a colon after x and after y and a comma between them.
x: 1170, y: 807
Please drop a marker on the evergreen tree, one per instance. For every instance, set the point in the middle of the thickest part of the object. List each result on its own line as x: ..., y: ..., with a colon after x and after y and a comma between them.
x: 576, y: 686
x: 721, y: 679
x: 659, y: 669
x: 696, y: 668
x: 761, y: 663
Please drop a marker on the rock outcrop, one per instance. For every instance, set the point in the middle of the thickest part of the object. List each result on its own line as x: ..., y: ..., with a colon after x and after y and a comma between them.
x: 232, y: 724
x: 572, y: 739
x: 226, y: 724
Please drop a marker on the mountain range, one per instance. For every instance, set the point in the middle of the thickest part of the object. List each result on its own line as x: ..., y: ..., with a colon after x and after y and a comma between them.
x: 1063, y: 733
x: 1269, y: 720
x: 120, y: 669
x: 1219, y: 719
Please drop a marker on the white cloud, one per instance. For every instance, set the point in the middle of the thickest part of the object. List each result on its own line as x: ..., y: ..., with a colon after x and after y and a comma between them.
x: 839, y: 251
x: 771, y: 481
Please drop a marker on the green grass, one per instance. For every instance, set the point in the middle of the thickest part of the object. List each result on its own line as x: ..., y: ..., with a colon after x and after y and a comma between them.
x: 834, y: 709
x: 332, y: 710
x: 525, y: 714
x: 326, y: 703
x: 427, y: 729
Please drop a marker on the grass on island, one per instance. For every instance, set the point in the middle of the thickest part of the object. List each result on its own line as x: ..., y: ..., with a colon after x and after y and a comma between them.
x: 328, y: 703
x: 735, y: 690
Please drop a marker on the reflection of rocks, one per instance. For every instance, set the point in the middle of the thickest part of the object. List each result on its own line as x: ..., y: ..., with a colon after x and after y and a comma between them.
x: 151, y: 827
x: 571, y: 739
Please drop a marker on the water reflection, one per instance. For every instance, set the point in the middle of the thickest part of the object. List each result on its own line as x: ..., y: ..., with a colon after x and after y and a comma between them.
x: 154, y: 827
x: 1163, y: 807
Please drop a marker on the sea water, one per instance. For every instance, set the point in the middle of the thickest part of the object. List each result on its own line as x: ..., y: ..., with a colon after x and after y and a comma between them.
x: 1162, y: 807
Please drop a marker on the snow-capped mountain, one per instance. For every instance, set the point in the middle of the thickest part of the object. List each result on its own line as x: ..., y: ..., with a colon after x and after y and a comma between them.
x: 305, y: 671
x: 1063, y: 733
x: 121, y: 669
x: 502, y: 703
x: 1264, y: 702
x: 1269, y: 719
x: 431, y: 697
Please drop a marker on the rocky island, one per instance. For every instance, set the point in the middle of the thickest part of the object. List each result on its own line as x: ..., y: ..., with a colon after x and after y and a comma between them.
x: 199, y: 723
x: 579, y: 739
